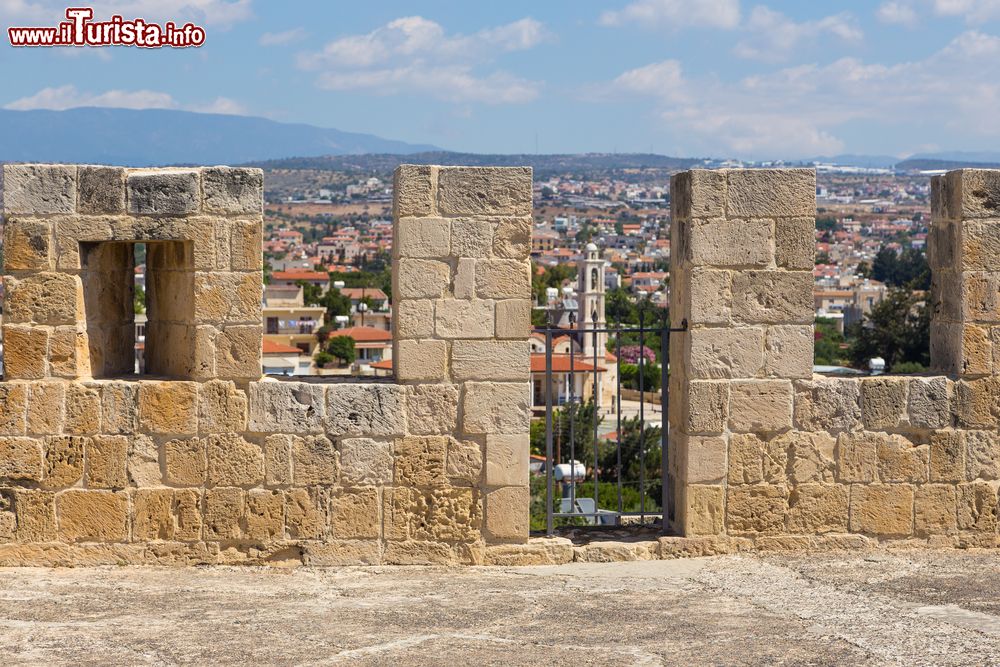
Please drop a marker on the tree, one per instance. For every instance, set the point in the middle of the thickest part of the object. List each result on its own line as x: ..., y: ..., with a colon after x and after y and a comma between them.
x: 897, y: 329
x: 341, y: 347
x: 312, y: 295
x: 907, y: 269
x: 826, y: 349
x: 139, y: 304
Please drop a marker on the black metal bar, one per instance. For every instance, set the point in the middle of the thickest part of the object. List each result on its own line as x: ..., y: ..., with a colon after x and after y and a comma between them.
x: 664, y: 424
x: 548, y: 432
x: 642, y: 418
x: 597, y: 505
x: 572, y: 428
x: 618, y: 410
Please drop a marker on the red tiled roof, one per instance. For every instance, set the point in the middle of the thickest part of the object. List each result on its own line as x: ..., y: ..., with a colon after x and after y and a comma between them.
x: 270, y: 347
x: 384, y: 364
x: 364, y: 334
x: 560, y: 364
x: 373, y: 293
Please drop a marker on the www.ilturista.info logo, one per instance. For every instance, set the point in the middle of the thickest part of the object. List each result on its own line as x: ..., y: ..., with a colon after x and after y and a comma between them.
x: 80, y: 30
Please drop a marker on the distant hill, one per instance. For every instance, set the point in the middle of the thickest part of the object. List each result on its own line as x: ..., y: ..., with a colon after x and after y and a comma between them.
x: 854, y: 160
x: 153, y: 137
x: 928, y: 164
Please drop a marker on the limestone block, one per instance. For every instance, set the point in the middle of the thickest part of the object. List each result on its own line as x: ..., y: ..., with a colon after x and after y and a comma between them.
x: 233, y: 190
x: 425, y: 360
x: 168, y: 407
x: 43, y: 298
x: 976, y: 403
x: 314, y: 461
x: 771, y: 193
x: 413, y: 190
x: 63, y: 461
x: 752, y: 460
x: 25, y: 352
x: 506, y: 511
x: 490, y: 360
x: 454, y: 515
x: 857, y: 456
x: 365, y: 462
x: 795, y: 243
x: 225, y: 509
x: 503, y: 279
x: 238, y: 351
x: 265, y: 515
x: 305, y: 515
x: 399, y: 510
x: 460, y: 318
x: 928, y: 404
x: 719, y: 242
x: 947, y: 456
x: 232, y: 461
x: 174, y: 192
x: 143, y: 462
x: 818, y: 508
x: 982, y: 455
x: 107, y: 457
x: 788, y: 351
x: 943, y: 244
x: 278, y: 460
x: 507, y: 459
x: 726, y: 353
x: 341, y: 553
x: 69, y: 352
x: 760, y: 406
x: 13, y: 407
x: 26, y: 245
x: 757, y: 509
x: 971, y: 193
x: 512, y: 238
x: 38, y: 188
x: 885, y: 510
x: 36, y: 516
x: 773, y: 297
x: 20, y: 459
x: 413, y: 552
x: 464, y: 284
x: 827, y: 405
x: 152, y: 514
x: 471, y: 238
x: 186, y: 462
x: 423, y: 237
x: 899, y: 460
x: 977, y: 350
x: 513, y: 318
x: 698, y: 193
x: 421, y: 279
x: 83, y: 409
x: 187, y: 514
x: 484, y: 191
x: 465, y: 462
x: 704, y: 510
x: 977, y: 507
x: 707, y: 406
x: 92, y: 516
x: 414, y: 318
x: 707, y: 460
x: 46, y: 408
x: 709, y: 296
x: 420, y: 461
x: 101, y: 190
x: 222, y: 408
x: 883, y: 402
x: 980, y: 244
x: 431, y: 409
x: 365, y: 410
x: 355, y: 515
x: 224, y: 296
x: 935, y: 510
x: 496, y: 408
x: 245, y: 249
x: 291, y: 407
x: 811, y: 457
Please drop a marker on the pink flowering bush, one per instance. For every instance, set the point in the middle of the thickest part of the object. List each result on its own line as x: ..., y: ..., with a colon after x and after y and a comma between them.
x: 631, y: 353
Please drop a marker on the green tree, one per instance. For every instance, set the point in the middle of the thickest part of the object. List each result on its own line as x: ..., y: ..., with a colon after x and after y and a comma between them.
x: 897, y: 329
x: 907, y: 269
x: 312, y: 295
x: 826, y: 349
x: 341, y: 347
x: 139, y: 304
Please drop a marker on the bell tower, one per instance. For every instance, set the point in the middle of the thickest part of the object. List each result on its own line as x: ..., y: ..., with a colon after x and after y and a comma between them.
x: 590, y: 276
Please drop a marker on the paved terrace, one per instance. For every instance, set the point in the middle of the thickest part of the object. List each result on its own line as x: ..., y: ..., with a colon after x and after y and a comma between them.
x: 874, y: 608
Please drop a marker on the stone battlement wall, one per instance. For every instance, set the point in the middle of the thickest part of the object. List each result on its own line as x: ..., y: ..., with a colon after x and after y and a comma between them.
x: 763, y: 450
x: 208, y: 462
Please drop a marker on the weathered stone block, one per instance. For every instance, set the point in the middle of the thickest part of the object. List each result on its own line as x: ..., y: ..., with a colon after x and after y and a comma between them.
x: 703, y: 510
x: 69, y: 352
x: 759, y: 509
x: 175, y: 192
x: 286, y: 406
x: 811, y: 456
x: 947, y: 456
x: 152, y: 514
x: 857, y: 456
x: 305, y: 515
x: 484, y: 190
x: 760, y: 406
x: 709, y: 296
x: 314, y: 461
x: 92, y: 516
x: 464, y: 284
x: 278, y: 460
x: 143, y: 462
x: 38, y: 188
x: 771, y: 193
x: 13, y: 408
x: 365, y: 462
x: 423, y: 237
x: 503, y: 279
x: 20, y: 459
x: 83, y: 409
x: 698, y: 193
x: 454, y: 515
x: 414, y: 318
x: 225, y: 509
x: 506, y: 512
x: 507, y: 459
x: 186, y: 462
x: 726, y: 353
x: 355, y: 515
x: 929, y: 403
x: 719, y: 242
x: 773, y: 297
x: 795, y: 243
x: 977, y: 507
x: 245, y: 247
x: 883, y: 402
x: 232, y: 461
x: 420, y: 461
x: 26, y: 245
x: 827, y: 405
x: 818, y: 508
x: 982, y: 455
x: 496, y: 408
x: 25, y: 352
x: 707, y: 460
x: 425, y: 360
x: 421, y: 279
x: 471, y: 238
x: 464, y: 462
x: 43, y: 298
x: 101, y: 190
x: 788, y: 351
x: 885, y: 510
x: 63, y: 461
x: 107, y: 457
x: 490, y: 360
x: 222, y: 408
x: 459, y: 318
x: 512, y: 238
x: 414, y: 190
x: 513, y: 318
x: 168, y: 407
x: 233, y: 190
x: 752, y: 460
x: 365, y: 409
x: 935, y: 510
x: 36, y: 516
x: 431, y: 409
x: 265, y: 519
x: 899, y: 460
x: 225, y: 296
x: 238, y: 350
x: 707, y: 406
x: 976, y: 403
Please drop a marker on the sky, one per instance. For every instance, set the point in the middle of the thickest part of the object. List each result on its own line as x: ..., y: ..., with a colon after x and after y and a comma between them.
x: 693, y: 78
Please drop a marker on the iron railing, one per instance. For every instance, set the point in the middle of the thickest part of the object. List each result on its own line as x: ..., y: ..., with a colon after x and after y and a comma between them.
x: 570, y: 507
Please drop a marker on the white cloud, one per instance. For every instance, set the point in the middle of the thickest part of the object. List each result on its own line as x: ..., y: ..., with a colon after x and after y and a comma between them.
x: 416, y: 55
x: 677, y: 14
x: 69, y: 97
x: 282, y: 38
x: 907, y: 12
x: 220, y: 13
x: 803, y: 110
x: 899, y: 13
x: 773, y: 36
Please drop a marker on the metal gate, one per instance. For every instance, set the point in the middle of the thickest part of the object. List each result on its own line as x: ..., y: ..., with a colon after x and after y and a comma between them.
x: 591, y: 508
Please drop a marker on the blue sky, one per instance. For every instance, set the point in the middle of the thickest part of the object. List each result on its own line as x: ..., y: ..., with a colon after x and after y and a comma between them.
x: 678, y: 77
